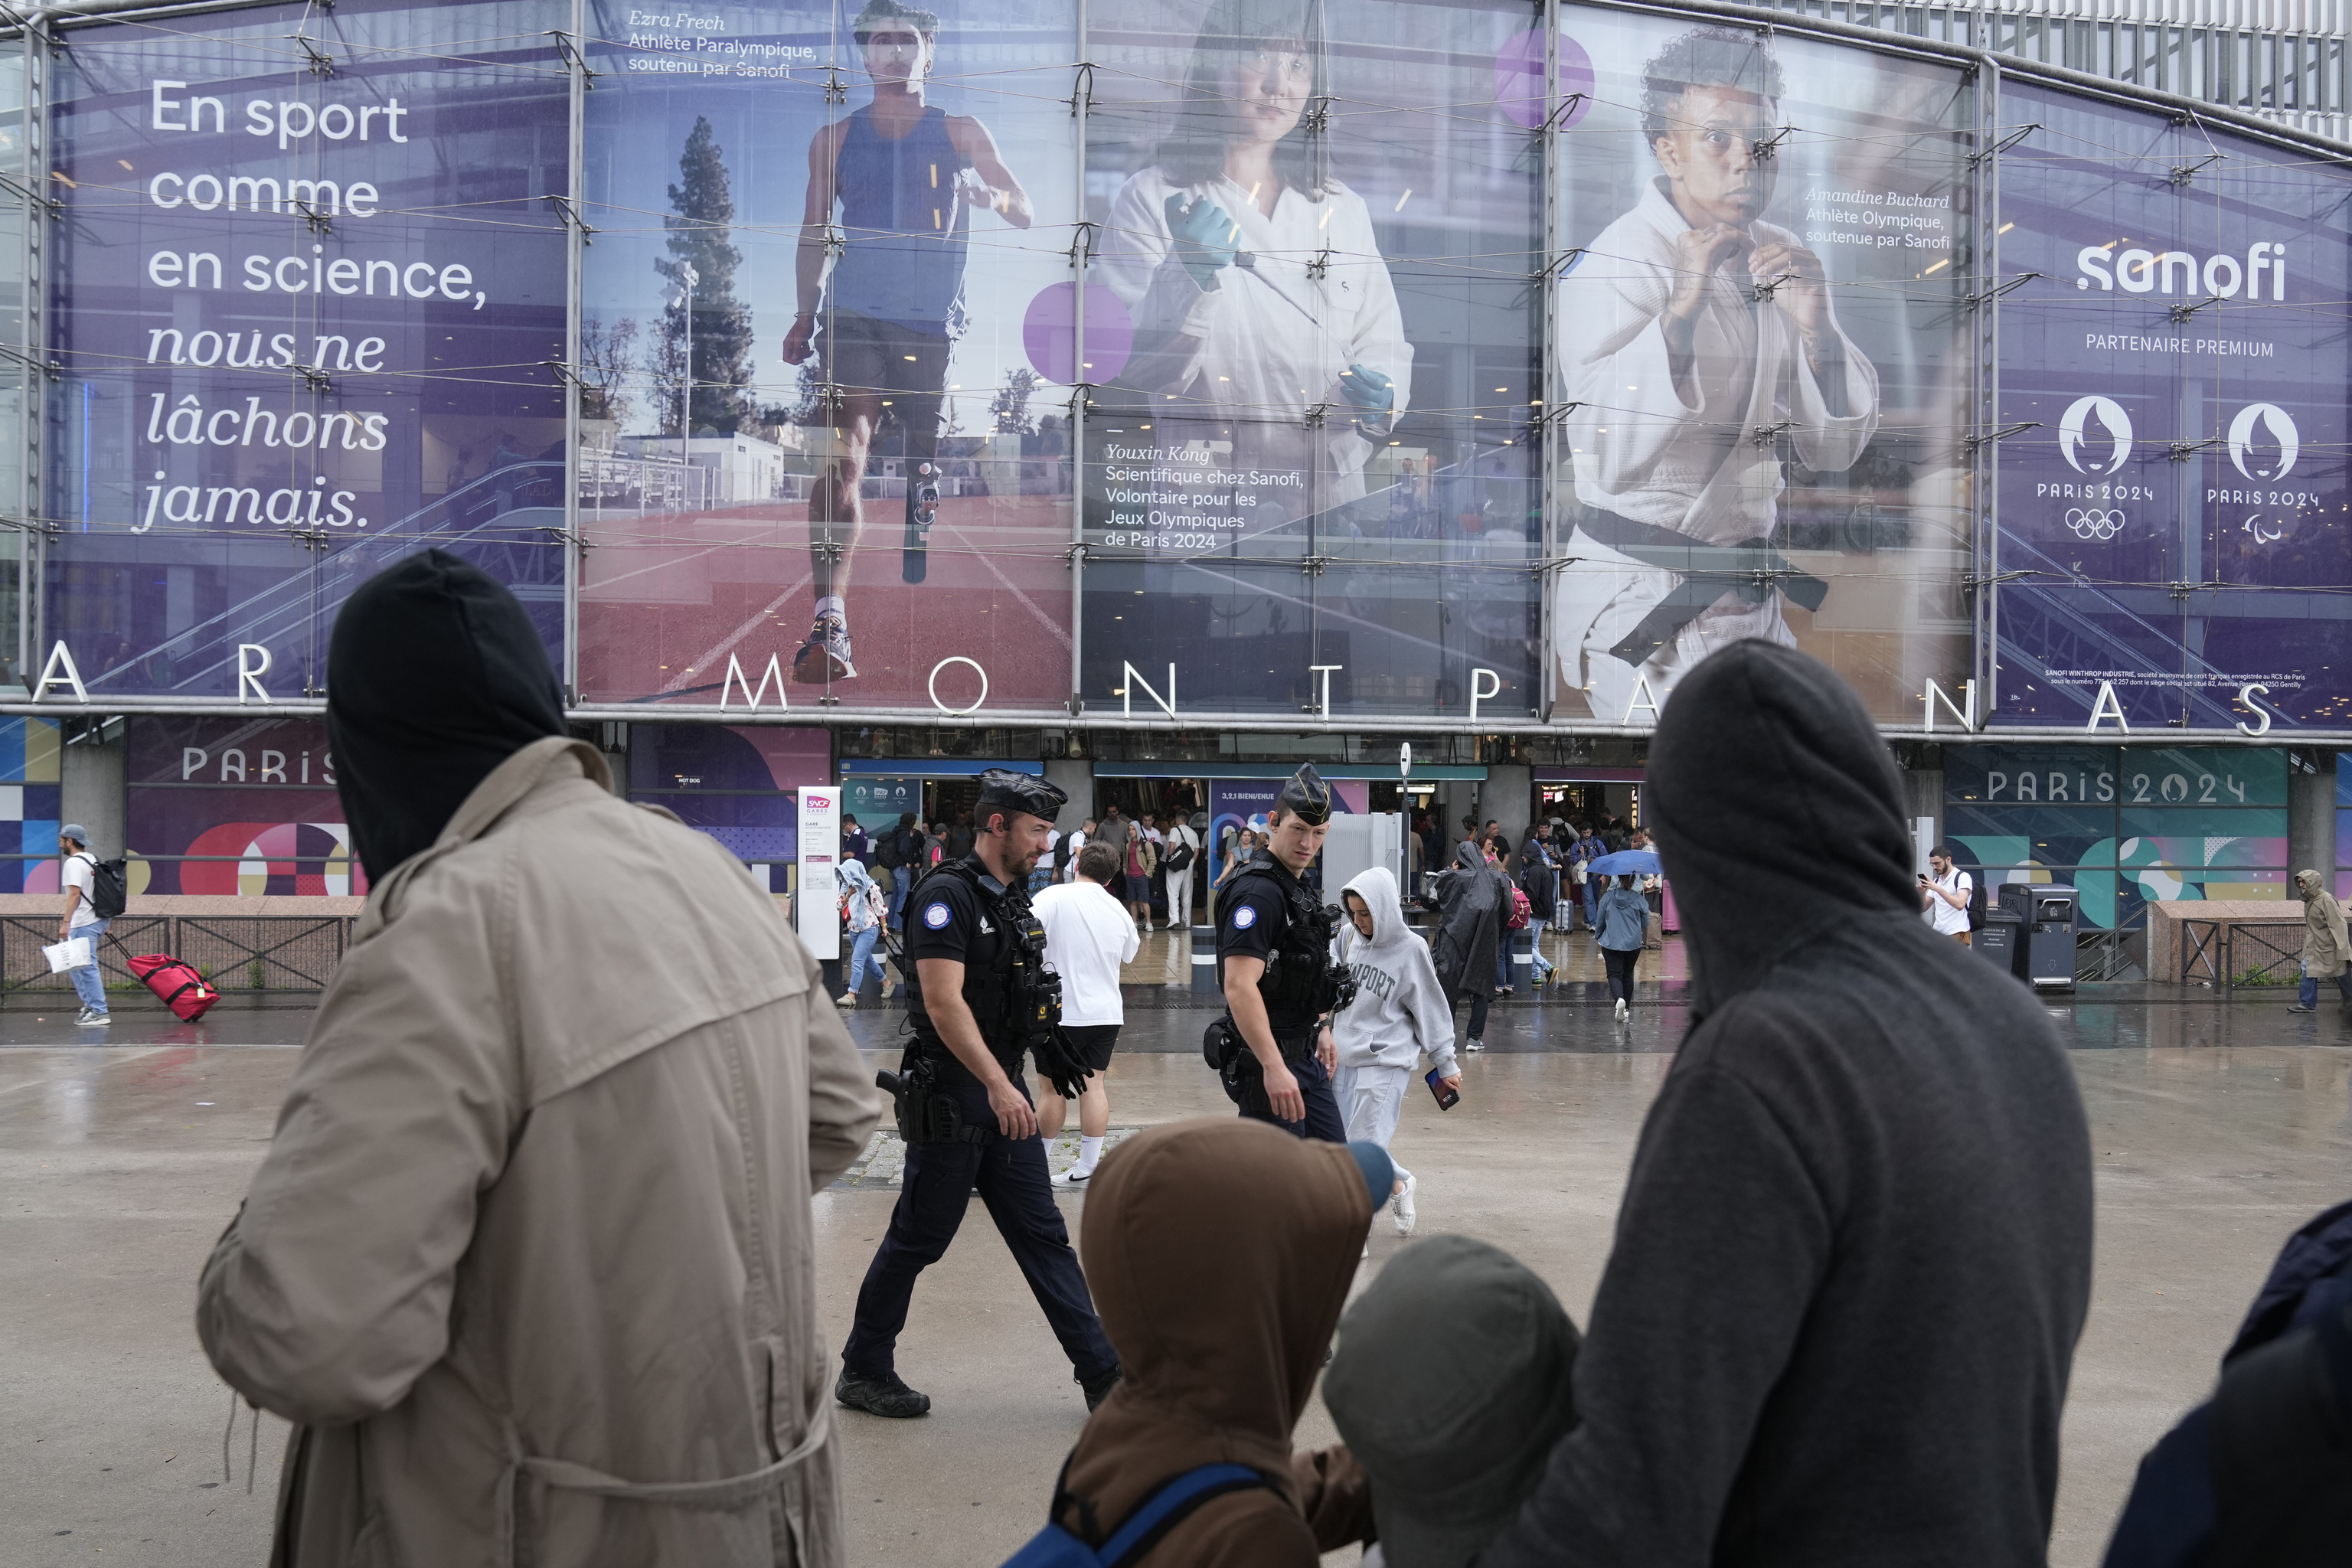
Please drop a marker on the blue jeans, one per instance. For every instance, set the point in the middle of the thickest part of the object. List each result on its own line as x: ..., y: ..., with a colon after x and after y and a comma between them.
x: 861, y: 953
x: 1592, y: 904
x: 87, y: 983
x: 2306, y: 992
x: 902, y: 882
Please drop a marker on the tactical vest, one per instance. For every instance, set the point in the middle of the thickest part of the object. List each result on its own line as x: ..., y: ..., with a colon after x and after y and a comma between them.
x: 1301, y: 978
x: 1015, y: 999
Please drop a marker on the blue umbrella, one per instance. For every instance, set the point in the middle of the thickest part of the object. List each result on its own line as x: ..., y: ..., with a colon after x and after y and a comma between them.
x: 1626, y: 863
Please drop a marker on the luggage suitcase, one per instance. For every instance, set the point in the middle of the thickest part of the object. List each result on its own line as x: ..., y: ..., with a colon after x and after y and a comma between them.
x: 176, y: 984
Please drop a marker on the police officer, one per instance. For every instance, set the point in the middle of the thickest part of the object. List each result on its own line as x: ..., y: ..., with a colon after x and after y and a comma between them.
x: 1281, y: 982
x: 978, y: 994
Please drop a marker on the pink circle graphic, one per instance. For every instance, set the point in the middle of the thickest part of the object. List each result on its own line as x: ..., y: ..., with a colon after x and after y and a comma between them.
x: 1050, y: 334
x: 1519, y: 80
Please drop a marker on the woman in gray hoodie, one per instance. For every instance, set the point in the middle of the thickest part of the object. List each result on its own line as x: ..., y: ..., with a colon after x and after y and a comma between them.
x: 1400, y: 1012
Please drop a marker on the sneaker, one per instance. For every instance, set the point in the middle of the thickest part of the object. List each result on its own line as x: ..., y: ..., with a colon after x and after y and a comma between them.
x: 98, y: 1016
x: 886, y: 1396
x: 1098, y: 1386
x: 1402, y: 1204
x: 1074, y: 1177
x: 847, y: 999
x: 825, y: 655
x: 1474, y: 1044
x: 1623, y: 1012
x: 2291, y: 1007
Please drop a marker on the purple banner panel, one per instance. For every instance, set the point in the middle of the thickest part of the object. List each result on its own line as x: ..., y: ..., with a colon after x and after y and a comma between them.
x: 2173, y: 510
x: 308, y: 295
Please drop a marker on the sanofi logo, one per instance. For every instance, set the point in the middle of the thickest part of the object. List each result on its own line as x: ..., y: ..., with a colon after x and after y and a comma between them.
x: 2275, y: 459
x: 2076, y: 428
x: 2222, y: 276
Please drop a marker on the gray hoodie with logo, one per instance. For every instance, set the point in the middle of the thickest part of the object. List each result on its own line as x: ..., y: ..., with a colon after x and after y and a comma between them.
x: 1400, y: 1010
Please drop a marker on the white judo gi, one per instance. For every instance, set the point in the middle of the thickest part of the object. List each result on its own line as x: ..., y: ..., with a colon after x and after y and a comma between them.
x: 1707, y: 473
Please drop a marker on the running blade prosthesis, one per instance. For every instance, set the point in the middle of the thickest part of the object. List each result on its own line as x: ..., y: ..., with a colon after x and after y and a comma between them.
x: 922, y: 511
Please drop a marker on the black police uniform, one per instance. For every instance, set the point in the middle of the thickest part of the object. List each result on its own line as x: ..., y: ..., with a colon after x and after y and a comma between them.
x: 961, y: 911
x: 1264, y: 912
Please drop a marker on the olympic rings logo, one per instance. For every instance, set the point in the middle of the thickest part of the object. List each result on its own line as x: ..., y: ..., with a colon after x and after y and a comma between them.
x: 2092, y: 522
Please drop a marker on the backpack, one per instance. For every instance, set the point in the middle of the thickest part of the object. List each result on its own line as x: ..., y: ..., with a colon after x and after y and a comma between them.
x: 1521, y: 912
x: 109, y: 887
x: 1977, y: 904
x: 1179, y: 856
x: 1169, y: 1504
x: 886, y: 852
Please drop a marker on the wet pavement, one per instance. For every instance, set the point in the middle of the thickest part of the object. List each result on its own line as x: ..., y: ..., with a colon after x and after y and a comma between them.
x: 2218, y: 1127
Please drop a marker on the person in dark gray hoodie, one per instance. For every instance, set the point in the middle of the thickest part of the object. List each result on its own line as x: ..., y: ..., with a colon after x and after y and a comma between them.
x: 1854, y: 1250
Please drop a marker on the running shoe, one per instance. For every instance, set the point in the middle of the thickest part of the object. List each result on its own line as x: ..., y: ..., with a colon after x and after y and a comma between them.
x: 1074, y: 1177
x: 825, y: 656
x: 1402, y: 1204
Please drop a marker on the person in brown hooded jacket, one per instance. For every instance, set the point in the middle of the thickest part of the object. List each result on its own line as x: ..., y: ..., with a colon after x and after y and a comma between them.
x: 1220, y: 1253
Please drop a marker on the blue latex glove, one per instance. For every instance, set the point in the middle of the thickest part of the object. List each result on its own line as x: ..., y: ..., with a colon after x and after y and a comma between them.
x: 1370, y: 391
x: 1207, y: 237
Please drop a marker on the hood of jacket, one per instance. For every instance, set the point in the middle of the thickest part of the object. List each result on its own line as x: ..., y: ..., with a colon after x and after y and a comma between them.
x: 1772, y: 791
x: 435, y: 676
x: 1378, y: 888
x: 1219, y: 1254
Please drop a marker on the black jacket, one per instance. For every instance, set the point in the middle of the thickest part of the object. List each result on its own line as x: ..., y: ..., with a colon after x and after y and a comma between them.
x: 1854, y: 1250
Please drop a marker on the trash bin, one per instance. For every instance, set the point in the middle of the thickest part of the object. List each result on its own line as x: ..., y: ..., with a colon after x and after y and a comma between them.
x: 1997, y: 941
x: 2044, y: 958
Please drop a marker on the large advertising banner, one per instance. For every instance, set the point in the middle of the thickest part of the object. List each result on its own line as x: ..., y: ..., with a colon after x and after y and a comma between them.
x: 236, y: 807
x: 2126, y: 827
x: 2173, y: 543
x: 1762, y: 358
x: 821, y: 462
x: 308, y: 295
x: 1309, y: 328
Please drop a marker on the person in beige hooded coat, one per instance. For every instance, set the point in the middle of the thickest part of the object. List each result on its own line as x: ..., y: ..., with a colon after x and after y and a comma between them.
x: 2326, y: 955
x: 527, y: 1262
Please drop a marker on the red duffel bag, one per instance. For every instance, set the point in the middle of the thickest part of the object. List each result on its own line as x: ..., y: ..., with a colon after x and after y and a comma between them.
x: 178, y: 984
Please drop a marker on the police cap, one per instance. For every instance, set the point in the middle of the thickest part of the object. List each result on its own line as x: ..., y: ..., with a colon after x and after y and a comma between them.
x: 1002, y: 789
x: 1306, y: 797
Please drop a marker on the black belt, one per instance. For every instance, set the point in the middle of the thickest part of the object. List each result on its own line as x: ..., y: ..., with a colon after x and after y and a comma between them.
x: 1751, y: 569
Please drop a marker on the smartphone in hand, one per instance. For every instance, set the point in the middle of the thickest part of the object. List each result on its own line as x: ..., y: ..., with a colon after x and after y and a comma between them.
x: 1447, y: 1099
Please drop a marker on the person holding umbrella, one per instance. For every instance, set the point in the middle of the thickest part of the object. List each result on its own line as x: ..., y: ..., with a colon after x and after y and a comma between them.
x: 1621, y: 923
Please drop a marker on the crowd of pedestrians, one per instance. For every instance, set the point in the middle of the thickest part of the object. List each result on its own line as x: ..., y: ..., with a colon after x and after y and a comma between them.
x: 529, y: 1261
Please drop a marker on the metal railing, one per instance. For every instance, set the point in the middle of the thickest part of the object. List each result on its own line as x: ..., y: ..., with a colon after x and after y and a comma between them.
x: 2213, y: 951
x: 236, y: 954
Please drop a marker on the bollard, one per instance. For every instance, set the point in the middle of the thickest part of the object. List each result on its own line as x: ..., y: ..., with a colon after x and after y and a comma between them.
x: 1204, y: 959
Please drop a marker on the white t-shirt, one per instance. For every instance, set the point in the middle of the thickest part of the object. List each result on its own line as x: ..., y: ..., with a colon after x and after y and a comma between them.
x: 1088, y: 934
x: 1180, y: 834
x: 1943, y: 917
x: 79, y: 871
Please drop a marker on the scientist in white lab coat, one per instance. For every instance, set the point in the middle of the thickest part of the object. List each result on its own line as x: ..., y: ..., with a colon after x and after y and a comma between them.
x: 1696, y: 337
x: 1264, y: 314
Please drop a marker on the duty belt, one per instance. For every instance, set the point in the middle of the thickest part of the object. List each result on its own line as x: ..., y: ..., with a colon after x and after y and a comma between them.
x: 1751, y: 569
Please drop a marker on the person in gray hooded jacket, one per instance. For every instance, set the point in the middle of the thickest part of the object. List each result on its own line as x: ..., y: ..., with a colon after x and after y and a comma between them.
x: 1400, y: 1012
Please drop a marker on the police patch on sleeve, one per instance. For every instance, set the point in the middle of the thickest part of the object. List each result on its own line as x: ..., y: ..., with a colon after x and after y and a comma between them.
x: 1244, y: 918
x: 937, y: 917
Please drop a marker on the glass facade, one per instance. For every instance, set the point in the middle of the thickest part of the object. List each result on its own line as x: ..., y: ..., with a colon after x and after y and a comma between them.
x: 1391, y: 362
